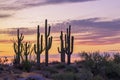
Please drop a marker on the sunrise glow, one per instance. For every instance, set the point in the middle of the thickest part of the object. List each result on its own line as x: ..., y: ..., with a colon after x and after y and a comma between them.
x: 95, y: 23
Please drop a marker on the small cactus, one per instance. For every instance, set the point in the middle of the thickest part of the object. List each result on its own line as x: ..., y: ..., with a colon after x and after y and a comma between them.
x: 27, y: 50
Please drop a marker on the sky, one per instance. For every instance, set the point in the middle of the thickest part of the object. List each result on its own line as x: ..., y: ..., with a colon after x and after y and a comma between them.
x: 95, y: 23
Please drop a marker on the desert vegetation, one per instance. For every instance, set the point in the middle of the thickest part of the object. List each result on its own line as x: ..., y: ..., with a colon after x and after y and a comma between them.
x: 92, y: 66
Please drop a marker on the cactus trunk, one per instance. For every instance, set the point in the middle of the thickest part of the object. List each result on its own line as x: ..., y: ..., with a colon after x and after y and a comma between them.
x: 63, y: 57
x: 19, y: 42
x: 46, y: 58
x: 38, y: 58
x: 26, y: 58
x: 62, y: 51
x: 68, y: 59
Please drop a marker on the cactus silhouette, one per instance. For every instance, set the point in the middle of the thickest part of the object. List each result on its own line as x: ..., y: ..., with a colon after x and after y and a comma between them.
x: 38, y: 48
x: 69, y: 44
x: 61, y: 50
x: 18, y: 46
x: 48, y: 42
x: 27, y: 50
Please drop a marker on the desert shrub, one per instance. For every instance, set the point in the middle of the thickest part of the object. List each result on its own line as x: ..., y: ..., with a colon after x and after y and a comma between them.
x: 116, y: 58
x: 112, y: 71
x: 60, y: 66
x: 55, y: 62
x: 52, y: 70
x: 84, y: 74
x: 39, y: 67
x: 95, y: 61
x: 64, y: 76
x: 98, y: 77
x: 95, y: 57
x: 33, y: 62
x: 46, y: 74
x: 71, y: 68
x: 3, y: 61
x: 14, y: 61
x: 79, y: 64
x: 26, y: 66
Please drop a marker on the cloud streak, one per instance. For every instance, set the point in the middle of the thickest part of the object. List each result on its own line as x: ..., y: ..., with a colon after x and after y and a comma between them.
x: 91, y: 31
x: 13, y: 31
x: 20, y: 4
x: 5, y: 15
x: 13, y: 5
x: 5, y: 41
x: 99, y: 31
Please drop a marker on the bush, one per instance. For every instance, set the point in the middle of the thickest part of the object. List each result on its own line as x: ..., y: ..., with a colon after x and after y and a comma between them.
x: 112, y: 71
x: 60, y: 66
x: 71, y: 68
x: 55, y: 62
x: 52, y: 70
x: 95, y: 56
x: 116, y: 58
x: 46, y: 74
x: 64, y: 76
x: 95, y: 61
x: 26, y: 66
x: 98, y: 77
x: 84, y: 75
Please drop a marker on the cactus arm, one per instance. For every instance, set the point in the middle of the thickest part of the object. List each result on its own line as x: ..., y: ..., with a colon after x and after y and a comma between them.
x: 67, y: 33
x: 18, y: 33
x: 45, y: 28
x: 65, y: 43
x: 15, y: 47
x: 35, y: 49
x: 38, y: 36
x: 21, y: 48
x: 49, y: 43
x: 49, y: 31
x: 21, y: 37
x: 41, y: 44
x: 72, y: 42
x: 69, y: 30
x: 59, y: 50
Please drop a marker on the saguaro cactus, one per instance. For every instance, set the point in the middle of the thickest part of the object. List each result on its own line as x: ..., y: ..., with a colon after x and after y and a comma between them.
x: 38, y: 48
x: 27, y: 50
x: 48, y: 42
x: 18, y: 46
x: 62, y: 48
x: 69, y: 41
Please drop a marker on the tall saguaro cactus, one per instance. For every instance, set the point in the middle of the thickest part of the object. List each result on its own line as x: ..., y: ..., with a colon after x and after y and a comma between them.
x: 27, y: 50
x: 38, y: 48
x: 18, y: 46
x: 69, y: 41
x: 61, y: 50
x: 48, y: 42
